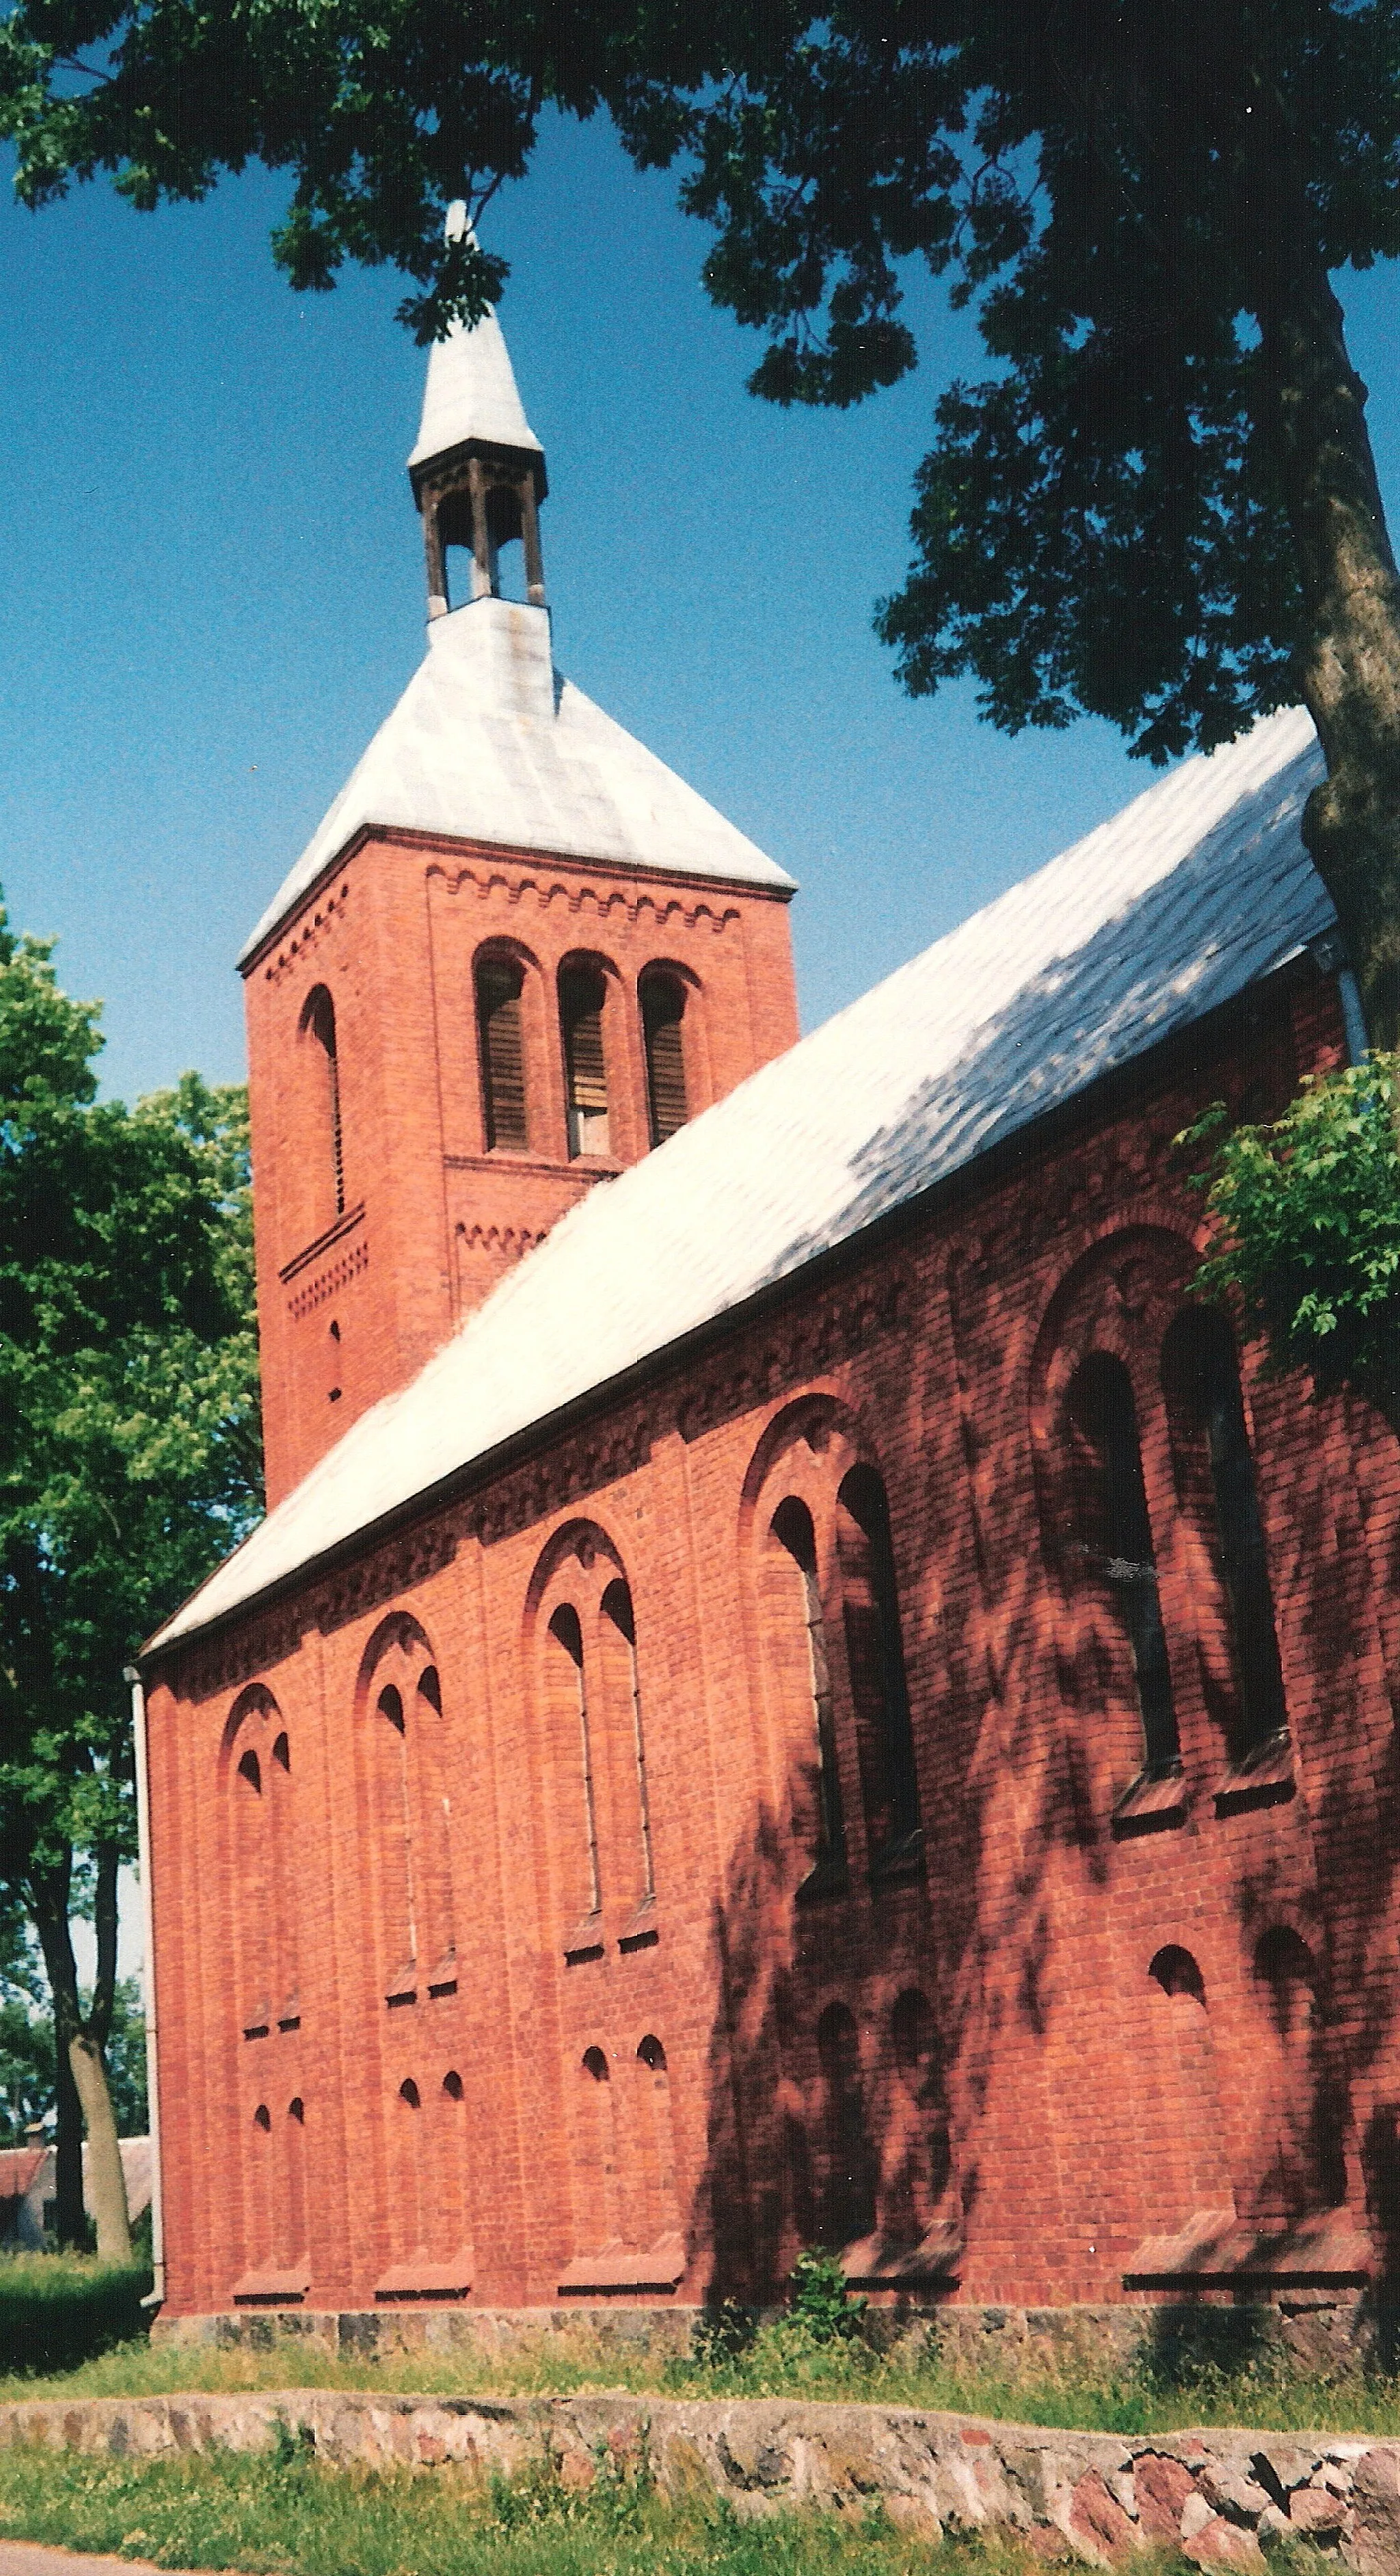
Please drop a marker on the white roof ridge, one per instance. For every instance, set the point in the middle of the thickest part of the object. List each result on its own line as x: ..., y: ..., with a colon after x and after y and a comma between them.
x: 1144, y: 925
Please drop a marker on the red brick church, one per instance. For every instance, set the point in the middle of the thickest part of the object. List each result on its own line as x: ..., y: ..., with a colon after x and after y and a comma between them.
x: 796, y: 1687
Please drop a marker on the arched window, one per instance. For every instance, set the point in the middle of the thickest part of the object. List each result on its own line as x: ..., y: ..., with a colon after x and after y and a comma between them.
x: 1187, y: 2168
x: 1201, y: 1381
x: 792, y: 1528
x: 407, y: 1812
x: 846, y: 2152
x: 567, y: 1634
x: 1113, y: 1535
x: 582, y: 1000
x: 500, y: 1021
x: 294, y: 2229
x: 875, y: 1656
x: 395, y: 1820
x: 263, y: 1864
x: 617, y: 1610
x: 318, y: 1031
x: 663, y: 1010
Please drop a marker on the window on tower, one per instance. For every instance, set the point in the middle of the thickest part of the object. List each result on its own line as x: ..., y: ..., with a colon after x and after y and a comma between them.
x: 663, y: 1010
x: 582, y: 999
x: 318, y: 1032
x: 500, y: 1015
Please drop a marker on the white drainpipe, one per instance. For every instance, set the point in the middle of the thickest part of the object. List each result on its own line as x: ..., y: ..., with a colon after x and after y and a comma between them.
x: 143, y: 1847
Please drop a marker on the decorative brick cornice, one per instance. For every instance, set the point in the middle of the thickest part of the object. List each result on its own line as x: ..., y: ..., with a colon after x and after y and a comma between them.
x: 604, y: 901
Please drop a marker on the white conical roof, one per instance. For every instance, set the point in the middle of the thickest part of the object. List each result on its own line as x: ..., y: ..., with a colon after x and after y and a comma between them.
x: 471, y: 393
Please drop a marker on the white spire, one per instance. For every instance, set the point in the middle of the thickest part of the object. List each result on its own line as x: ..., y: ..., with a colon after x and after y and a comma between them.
x: 471, y: 390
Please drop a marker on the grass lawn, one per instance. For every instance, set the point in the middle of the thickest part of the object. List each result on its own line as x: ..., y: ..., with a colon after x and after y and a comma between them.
x: 1176, y: 2389
x: 294, y: 2514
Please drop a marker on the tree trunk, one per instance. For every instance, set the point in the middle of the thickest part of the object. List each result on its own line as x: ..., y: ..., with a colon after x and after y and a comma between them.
x: 105, y: 2178
x: 80, y: 2059
x: 1314, y: 413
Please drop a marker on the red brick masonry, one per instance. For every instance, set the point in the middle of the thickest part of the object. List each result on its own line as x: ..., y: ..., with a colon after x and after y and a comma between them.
x: 463, y: 2001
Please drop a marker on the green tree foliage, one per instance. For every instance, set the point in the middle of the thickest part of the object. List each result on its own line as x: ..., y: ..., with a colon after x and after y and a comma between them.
x: 129, y: 1463
x: 1306, y: 1216
x: 1159, y: 504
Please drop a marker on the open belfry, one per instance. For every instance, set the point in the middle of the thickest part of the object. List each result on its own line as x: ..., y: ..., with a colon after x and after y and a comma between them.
x: 797, y: 1687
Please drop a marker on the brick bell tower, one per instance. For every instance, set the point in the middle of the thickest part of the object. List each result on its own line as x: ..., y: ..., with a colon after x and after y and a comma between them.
x: 518, y: 953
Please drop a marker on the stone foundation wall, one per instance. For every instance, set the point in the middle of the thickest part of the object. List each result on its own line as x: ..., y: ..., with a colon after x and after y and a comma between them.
x: 1311, y: 2332
x: 1223, y: 2497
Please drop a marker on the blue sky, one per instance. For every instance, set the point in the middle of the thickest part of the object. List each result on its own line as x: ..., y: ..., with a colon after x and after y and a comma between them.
x: 213, y: 583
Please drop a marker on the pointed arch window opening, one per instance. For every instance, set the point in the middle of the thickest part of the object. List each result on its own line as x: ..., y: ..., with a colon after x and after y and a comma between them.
x: 879, y: 1682
x: 564, y: 1627
x: 319, y: 1023
x: 1202, y: 1382
x: 1114, y: 1540
x: 403, y: 1980
x: 617, y: 1606
x: 792, y: 1527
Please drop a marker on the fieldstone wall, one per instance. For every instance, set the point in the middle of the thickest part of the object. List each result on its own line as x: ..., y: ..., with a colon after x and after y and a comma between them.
x: 1222, y: 2497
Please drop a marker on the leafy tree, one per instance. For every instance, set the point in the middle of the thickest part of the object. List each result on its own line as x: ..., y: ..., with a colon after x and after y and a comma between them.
x: 1160, y: 505
x: 1306, y: 1229
x: 128, y: 1464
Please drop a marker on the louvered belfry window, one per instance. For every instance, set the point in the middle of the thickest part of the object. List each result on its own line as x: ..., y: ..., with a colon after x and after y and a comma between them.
x: 582, y: 994
x: 500, y: 1014
x: 663, y: 1008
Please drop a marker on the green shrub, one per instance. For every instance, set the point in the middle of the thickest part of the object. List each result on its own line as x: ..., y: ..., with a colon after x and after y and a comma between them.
x: 57, y: 2310
x: 818, y: 2300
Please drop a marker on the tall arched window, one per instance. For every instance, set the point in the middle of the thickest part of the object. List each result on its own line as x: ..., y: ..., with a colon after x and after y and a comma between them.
x: 663, y: 1010
x: 616, y: 1607
x: 582, y: 999
x: 1113, y: 1535
x: 1201, y: 1381
x: 263, y: 1866
x: 875, y: 1656
x: 500, y: 1023
x: 318, y: 1033
x: 567, y: 1634
x: 792, y: 1528
x: 407, y: 1816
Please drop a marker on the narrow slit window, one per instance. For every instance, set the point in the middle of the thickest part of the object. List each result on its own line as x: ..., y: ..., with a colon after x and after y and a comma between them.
x: 1202, y: 1381
x: 1114, y: 1537
x: 617, y: 1606
x: 500, y: 1011
x: 663, y: 1010
x: 582, y: 998
x: 875, y: 1660
x: 318, y: 1023
x: 568, y: 1635
x: 792, y: 1527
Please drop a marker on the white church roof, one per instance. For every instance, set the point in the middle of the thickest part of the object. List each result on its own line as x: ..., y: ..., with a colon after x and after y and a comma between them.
x: 489, y: 743
x: 1193, y: 892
